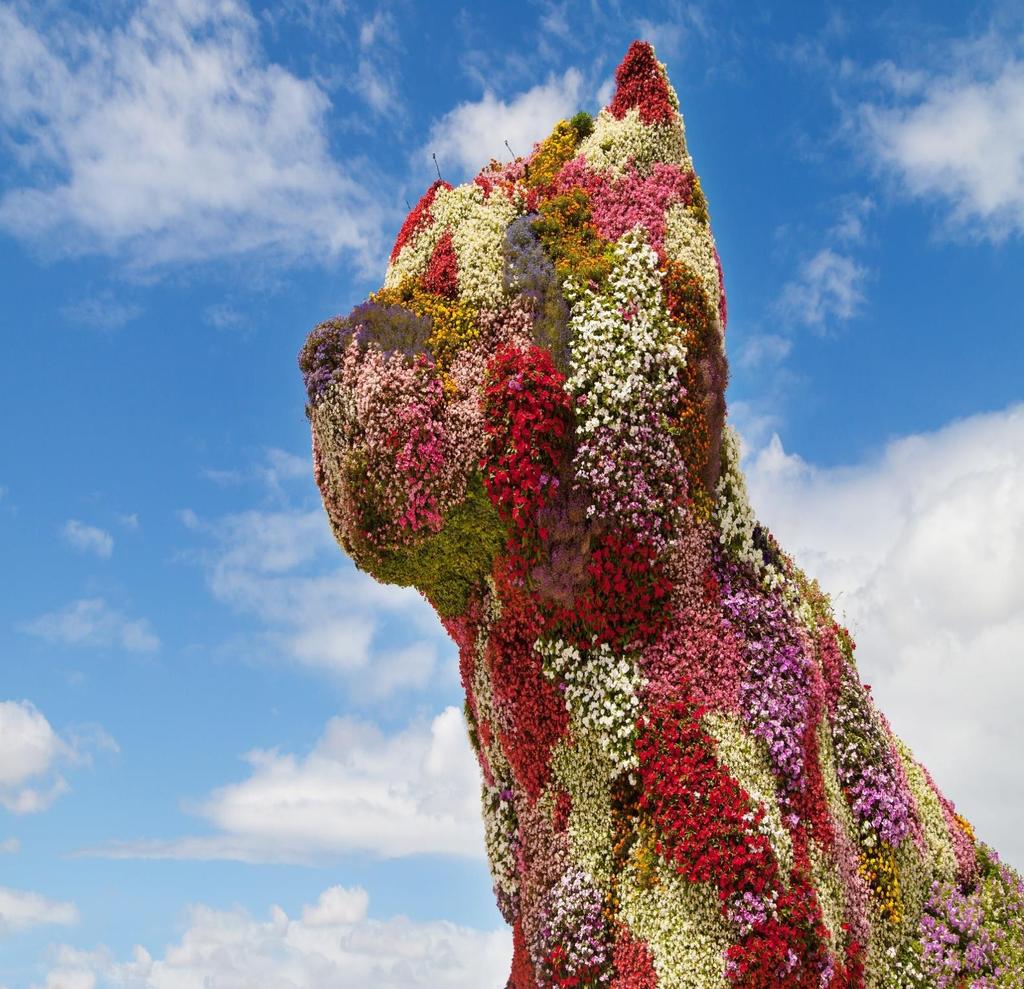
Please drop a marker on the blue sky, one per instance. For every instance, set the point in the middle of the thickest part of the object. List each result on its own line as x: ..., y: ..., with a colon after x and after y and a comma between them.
x: 226, y: 755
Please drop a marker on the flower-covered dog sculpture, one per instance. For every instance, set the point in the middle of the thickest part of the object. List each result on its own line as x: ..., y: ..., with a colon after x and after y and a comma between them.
x: 685, y: 783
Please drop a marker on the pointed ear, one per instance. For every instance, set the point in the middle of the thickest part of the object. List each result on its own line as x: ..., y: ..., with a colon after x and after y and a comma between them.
x: 641, y: 129
x: 641, y: 126
x: 641, y: 82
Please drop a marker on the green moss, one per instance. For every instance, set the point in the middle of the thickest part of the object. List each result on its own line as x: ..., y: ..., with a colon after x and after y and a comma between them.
x: 583, y: 124
x: 471, y: 728
x: 698, y: 203
x: 448, y: 565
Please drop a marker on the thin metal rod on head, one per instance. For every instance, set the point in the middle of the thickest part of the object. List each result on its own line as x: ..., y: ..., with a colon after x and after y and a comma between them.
x: 434, y: 156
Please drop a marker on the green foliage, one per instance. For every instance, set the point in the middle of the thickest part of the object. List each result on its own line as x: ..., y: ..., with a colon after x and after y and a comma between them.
x: 583, y: 124
x: 448, y: 565
x: 566, y: 230
x: 698, y: 203
x: 471, y: 727
x: 1002, y: 897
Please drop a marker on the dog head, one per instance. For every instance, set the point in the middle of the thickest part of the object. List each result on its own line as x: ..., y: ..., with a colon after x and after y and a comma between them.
x: 543, y: 365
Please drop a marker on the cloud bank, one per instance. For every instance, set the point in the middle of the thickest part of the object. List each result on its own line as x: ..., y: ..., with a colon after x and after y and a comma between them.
x: 358, y: 790
x: 332, y: 943
x: 923, y: 549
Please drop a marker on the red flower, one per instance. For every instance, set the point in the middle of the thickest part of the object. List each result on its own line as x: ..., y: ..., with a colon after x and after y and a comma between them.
x: 708, y: 828
x: 527, y: 417
x: 442, y: 274
x: 418, y: 219
x: 641, y: 83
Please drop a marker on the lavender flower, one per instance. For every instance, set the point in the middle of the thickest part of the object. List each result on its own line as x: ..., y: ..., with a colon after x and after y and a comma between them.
x: 572, y: 929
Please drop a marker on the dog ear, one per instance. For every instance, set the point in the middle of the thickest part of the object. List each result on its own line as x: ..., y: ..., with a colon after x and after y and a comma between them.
x: 641, y: 126
x: 640, y: 132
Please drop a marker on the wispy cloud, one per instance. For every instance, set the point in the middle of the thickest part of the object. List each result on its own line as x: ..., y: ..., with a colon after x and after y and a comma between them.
x: 223, y: 316
x: 171, y: 139
x: 283, y: 570
x: 103, y: 312
x: 274, y: 472
x: 21, y: 909
x: 93, y: 622
x: 828, y: 287
x: 764, y: 350
x: 953, y: 136
x: 331, y: 942
x: 850, y: 226
x: 378, y: 67
x: 88, y: 538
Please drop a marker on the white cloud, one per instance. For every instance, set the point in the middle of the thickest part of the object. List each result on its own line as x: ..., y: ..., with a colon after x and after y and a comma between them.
x: 10, y: 846
x: 170, y: 138
x: 29, y: 748
x: 274, y: 471
x: 88, y: 538
x: 468, y: 136
x: 853, y: 211
x: 27, y: 742
x: 93, y: 622
x: 21, y: 909
x: 280, y: 466
x: 337, y: 905
x: 223, y: 316
x: 333, y: 943
x: 957, y: 136
x: 829, y: 286
x: 923, y: 549
x: 358, y: 790
x: 30, y: 752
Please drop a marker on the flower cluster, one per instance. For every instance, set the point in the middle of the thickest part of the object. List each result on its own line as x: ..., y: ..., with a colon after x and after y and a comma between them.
x: 641, y: 82
x: 702, y: 412
x: 955, y: 946
x: 501, y: 835
x: 684, y: 783
x: 571, y: 949
x: 620, y: 203
x: 623, y: 602
x: 739, y: 531
x: 869, y: 767
x: 710, y: 830
x: 775, y: 685
x: 626, y: 370
x: 601, y: 692
x: 527, y: 414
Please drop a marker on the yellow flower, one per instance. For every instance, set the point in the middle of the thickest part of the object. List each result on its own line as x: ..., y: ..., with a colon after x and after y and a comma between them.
x: 878, y: 868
